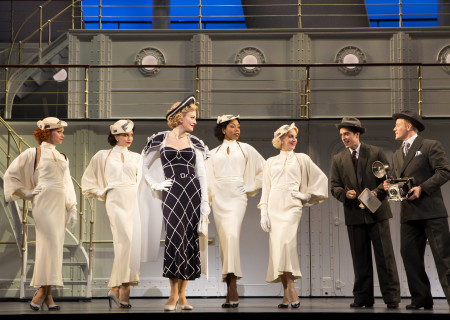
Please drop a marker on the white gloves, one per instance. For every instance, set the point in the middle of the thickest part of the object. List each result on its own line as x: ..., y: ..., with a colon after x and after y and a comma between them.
x: 265, y: 221
x: 302, y: 196
x: 73, y: 217
x: 165, y: 185
x: 243, y: 189
x: 202, y: 228
x: 30, y: 194
x: 102, y: 193
x: 204, y: 221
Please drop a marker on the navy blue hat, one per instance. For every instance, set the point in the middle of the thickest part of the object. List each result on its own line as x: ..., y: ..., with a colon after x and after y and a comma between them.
x: 186, y: 102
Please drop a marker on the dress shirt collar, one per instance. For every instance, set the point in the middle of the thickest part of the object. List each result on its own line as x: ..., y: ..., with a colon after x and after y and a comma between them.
x: 120, y: 149
x: 47, y: 145
x: 410, y: 140
x: 357, y: 150
x: 228, y: 142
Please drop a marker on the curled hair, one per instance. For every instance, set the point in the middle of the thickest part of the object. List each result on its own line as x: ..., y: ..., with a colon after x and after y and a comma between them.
x: 276, y: 142
x: 112, y: 137
x: 218, y: 130
x: 42, y: 135
x: 177, y: 118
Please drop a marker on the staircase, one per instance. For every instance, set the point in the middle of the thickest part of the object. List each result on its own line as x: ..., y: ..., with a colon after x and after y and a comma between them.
x: 23, y: 81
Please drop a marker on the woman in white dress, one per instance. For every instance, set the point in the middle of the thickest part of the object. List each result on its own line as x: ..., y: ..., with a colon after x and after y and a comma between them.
x: 42, y: 175
x: 235, y: 171
x: 111, y: 176
x: 291, y: 181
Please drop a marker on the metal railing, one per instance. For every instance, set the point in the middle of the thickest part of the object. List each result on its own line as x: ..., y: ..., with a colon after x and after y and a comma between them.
x: 304, y: 91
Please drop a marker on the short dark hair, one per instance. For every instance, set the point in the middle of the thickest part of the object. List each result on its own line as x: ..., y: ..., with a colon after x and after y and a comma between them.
x: 220, y: 126
x: 112, y: 138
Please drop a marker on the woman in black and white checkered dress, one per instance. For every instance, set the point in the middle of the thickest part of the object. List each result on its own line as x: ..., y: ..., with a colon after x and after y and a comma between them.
x: 174, y: 169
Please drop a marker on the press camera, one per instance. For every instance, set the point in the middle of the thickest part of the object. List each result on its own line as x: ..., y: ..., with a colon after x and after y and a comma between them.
x: 398, y: 188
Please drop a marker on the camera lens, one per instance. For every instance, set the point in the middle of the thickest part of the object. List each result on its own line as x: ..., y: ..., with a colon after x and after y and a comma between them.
x: 393, y: 192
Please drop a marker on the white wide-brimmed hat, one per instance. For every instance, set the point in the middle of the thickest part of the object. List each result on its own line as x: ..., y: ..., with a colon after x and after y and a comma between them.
x: 51, y: 123
x: 122, y: 126
x: 226, y: 117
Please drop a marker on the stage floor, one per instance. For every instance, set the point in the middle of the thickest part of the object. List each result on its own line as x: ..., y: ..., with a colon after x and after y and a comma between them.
x: 310, y: 308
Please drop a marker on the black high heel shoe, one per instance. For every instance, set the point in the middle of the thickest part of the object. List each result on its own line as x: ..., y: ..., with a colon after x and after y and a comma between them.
x: 295, y: 304
x: 52, y: 307
x: 34, y: 306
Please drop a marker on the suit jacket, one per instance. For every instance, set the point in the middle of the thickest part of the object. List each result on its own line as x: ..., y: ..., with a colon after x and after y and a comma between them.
x: 427, y: 163
x: 342, y: 176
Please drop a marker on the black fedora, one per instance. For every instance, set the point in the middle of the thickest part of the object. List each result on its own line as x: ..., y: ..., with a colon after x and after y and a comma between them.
x: 412, y: 116
x: 351, y: 122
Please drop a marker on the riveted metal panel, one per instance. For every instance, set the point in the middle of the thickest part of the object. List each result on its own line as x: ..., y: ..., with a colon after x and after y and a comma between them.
x: 334, y: 93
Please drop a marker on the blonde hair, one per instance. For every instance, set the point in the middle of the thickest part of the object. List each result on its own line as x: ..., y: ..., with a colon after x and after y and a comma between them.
x: 276, y: 142
x: 177, y: 118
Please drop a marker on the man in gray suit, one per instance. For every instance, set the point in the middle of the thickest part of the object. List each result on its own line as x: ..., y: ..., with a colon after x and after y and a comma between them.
x: 350, y: 174
x: 423, y: 213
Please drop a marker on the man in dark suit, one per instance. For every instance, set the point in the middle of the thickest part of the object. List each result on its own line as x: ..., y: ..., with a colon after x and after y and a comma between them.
x: 351, y: 173
x: 423, y: 213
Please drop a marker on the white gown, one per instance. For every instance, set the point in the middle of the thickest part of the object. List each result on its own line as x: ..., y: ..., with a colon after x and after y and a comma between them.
x: 48, y: 207
x: 283, y: 174
x: 120, y: 203
x: 226, y: 172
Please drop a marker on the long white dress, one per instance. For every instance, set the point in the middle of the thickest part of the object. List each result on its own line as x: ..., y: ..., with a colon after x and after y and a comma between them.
x: 231, y: 166
x: 48, y: 207
x: 116, y: 168
x: 283, y: 174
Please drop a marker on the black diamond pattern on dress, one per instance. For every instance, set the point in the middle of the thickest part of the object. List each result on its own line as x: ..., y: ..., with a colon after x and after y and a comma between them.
x: 181, y: 211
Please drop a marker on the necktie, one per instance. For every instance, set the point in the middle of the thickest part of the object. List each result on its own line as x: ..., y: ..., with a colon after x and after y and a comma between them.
x: 354, y: 158
x: 406, y: 148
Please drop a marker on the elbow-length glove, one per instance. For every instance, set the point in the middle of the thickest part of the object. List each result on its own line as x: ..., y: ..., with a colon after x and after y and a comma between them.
x: 204, y: 205
x: 265, y: 221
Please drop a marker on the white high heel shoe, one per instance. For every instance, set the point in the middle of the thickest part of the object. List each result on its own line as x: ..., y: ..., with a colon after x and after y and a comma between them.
x: 169, y: 307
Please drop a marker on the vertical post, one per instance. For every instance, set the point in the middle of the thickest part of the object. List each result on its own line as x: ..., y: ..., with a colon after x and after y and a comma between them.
x: 73, y: 14
x: 40, y: 27
x: 308, y: 91
x: 6, y: 91
x: 20, y: 52
x: 419, y: 87
x: 197, y: 83
x: 81, y: 217
x: 100, y: 14
x: 299, y: 14
x: 200, y: 14
x: 86, y: 92
x: 91, y: 242
x: 49, y: 31
x: 8, y: 155
x: 400, y: 14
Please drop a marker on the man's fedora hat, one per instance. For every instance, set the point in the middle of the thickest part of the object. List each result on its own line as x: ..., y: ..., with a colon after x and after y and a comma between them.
x: 351, y: 122
x: 412, y: 116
